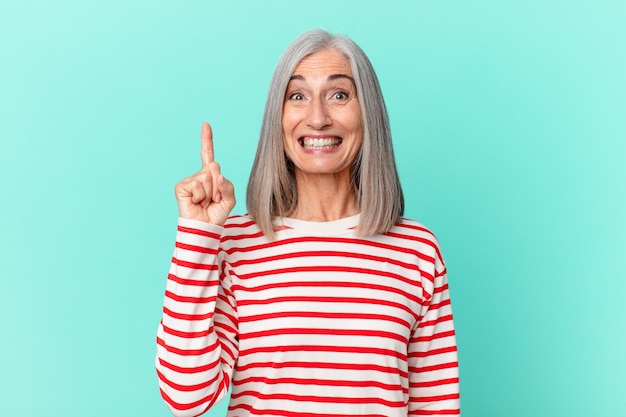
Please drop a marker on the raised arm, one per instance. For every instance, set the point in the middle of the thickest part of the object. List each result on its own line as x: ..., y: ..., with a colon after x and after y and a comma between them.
x: 196, y: 339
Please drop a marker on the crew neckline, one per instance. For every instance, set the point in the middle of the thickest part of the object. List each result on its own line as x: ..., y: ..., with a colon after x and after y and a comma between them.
x: 332, y: 228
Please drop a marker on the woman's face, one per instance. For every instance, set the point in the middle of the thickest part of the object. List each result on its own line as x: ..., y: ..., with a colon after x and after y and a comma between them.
x: 322, y: 123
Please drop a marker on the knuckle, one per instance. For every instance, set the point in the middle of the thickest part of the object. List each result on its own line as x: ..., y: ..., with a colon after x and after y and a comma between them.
x: 182, y: 185
x: 200, y: 177
x: 196, y: 184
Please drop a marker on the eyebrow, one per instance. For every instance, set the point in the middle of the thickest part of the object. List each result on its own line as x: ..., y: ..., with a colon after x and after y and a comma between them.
x: 330, y: 77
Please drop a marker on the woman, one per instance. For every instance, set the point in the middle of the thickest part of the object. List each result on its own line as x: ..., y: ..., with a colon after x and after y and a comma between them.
x: 323, y: 300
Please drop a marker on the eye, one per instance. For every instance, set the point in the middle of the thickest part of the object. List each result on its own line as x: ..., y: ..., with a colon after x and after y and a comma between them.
x: 340, y: 95
x: 296, y: 96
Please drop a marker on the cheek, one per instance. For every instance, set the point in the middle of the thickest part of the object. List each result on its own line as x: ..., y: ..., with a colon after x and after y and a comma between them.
x: 354, y: 121
x: 288, y: 124
x: 357, y: 128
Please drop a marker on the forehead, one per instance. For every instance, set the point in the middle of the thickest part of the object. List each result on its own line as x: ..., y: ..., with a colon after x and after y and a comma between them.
x: 323, y: 63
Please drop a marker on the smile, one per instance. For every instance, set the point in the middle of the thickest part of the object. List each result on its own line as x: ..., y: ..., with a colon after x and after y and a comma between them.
x: 319, y: 143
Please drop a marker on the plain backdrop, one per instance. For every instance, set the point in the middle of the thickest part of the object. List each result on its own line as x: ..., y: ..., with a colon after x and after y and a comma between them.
x: 509, y: 126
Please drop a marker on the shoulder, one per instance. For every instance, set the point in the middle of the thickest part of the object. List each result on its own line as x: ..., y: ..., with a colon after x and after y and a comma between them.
x: 240, y: 228
x: 413, y: 234
x: 239, y: 221
x: 240, y: 224
x: 413, y: 230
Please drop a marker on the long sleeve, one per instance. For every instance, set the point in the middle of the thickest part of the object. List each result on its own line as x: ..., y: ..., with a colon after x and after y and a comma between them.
x: 433, y: 363
x: 197, y: 336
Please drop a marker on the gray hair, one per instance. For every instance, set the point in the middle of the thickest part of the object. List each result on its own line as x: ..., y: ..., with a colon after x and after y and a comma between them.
x: 272, y: 188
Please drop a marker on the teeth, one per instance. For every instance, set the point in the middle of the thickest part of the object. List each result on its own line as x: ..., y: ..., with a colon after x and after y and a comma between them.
x: 321, y: 143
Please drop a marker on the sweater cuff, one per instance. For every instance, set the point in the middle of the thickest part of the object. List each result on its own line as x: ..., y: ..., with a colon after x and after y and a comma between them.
x: 197, y: 224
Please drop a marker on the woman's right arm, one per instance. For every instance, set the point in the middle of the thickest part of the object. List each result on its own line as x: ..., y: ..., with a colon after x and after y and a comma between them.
x: 196, y: 340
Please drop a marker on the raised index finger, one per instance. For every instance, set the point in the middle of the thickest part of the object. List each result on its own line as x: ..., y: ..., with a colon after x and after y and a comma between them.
x: 206, y: 153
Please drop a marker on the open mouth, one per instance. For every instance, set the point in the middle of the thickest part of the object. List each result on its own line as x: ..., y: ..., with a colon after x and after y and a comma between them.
x: 319, y: 143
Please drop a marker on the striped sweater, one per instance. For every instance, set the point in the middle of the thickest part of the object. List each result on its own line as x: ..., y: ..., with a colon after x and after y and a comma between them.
x: 318, y: 322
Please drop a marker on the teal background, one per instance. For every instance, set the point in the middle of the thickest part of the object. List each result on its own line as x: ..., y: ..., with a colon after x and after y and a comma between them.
x: 509, y: 124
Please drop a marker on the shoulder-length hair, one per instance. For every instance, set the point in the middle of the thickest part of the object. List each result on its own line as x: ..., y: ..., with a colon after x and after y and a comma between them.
x: 272, y: 185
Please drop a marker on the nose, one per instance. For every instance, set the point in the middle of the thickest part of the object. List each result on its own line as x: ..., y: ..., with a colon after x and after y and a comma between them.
x: 318, y: 115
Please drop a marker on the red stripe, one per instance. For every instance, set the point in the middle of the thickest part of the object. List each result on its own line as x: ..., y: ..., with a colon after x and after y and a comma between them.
x: 186, y: 335
x: 194, y: 265
x: 226, y: 350
x: 453, y: 412
x: 436, y: 383
x: 438, y: 320
x: 325, y: 365
x: 434, y: 352
x: 194, y: 248
x: 415, y: 227
x: 198, y: 232
x: 432, y: 337
x: 439, y: 305
x: 317, y: 300
x: 192, y: 282
x: 433, y: 239
x: 189, y: 370
x: 430, y: 368
x: 193, y: 300
x: 188, y: 352
x: 320, y: 382
x: 223, y: 387
x: 313, y: 331
x: 319, y: 399
x: 225, y: 327
x: 325, y: 284
x: 241, y: 236
x: 314, y: 254
x: 413, y: 238
x: 434, y: 398
x: 186, y: 388
x: 322, y: 348
x: 325, y: 315
x: 440, y: 288
x: 282, y: 413
x: 190, y: 317
x: 228, y: 294
x: 230, y: 225
x: 326, y: 269
x: 232, y: 319
x: 431, y: 243
x: 185, y: 406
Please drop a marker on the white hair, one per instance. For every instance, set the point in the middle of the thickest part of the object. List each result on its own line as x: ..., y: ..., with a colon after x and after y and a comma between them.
x: 272, y: 188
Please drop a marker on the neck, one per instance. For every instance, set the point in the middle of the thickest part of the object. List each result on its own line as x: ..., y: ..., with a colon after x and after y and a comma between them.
x: 324, y: 198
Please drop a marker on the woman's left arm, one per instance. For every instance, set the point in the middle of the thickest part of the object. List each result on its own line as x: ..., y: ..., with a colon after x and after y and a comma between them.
x: 432, y: 354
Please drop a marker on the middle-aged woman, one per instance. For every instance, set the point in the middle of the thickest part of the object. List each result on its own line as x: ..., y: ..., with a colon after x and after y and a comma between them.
x: 322, y: 300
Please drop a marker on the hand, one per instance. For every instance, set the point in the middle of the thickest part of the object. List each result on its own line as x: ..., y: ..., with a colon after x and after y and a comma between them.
x: 206, y: 195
